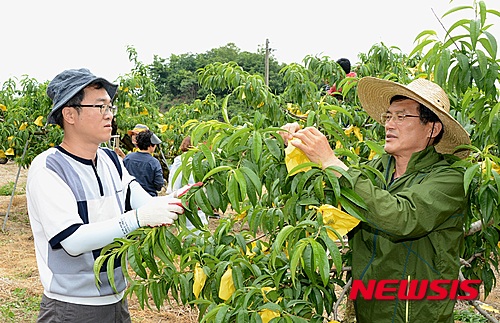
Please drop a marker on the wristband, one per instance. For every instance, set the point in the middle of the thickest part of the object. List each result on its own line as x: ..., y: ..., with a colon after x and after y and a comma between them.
x: 137, y: 218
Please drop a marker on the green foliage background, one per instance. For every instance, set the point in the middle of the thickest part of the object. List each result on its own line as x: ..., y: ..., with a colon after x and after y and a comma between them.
x: 278, y: 248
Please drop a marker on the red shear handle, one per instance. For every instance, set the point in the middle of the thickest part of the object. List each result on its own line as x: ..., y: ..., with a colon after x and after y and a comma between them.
x: 183, y: 190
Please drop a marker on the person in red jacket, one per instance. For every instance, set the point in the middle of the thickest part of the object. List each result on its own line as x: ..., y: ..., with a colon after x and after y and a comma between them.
x: 346, y: 66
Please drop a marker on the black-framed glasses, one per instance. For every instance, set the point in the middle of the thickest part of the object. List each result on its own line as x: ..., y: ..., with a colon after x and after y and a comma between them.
x: 103, y: 108
x: 398, y: 117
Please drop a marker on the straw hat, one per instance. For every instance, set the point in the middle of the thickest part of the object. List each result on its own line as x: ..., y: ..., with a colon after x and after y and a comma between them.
x: 138, y: 128
x: 375, y: 95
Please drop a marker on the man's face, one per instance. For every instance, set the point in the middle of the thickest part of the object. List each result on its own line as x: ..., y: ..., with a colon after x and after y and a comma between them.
x: 91, y: 123
x: 404, y: 138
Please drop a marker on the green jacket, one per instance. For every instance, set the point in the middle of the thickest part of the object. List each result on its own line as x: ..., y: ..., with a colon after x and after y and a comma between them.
x: 413, y: 230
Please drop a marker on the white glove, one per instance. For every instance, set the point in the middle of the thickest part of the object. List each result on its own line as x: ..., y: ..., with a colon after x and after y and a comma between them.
x: 160, y: 210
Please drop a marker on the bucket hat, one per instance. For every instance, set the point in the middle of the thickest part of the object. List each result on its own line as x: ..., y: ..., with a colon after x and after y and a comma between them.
x: 375, y: 95
x: 68, y: 83
x: 155, y: 140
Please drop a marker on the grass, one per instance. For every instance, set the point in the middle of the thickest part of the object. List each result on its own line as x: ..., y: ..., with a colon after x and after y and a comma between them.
x: 469, y: 316
x: 6, y: 190
x: 20, y: 307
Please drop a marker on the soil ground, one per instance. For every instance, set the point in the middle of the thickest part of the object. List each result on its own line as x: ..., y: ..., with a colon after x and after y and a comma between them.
x: 20, y: 288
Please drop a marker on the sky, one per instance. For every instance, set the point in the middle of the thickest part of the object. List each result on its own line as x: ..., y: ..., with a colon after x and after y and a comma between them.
x: 42, y: 38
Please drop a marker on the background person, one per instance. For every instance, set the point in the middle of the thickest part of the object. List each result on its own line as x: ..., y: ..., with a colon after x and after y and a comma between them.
x: 346, y: 66
x: 132, y: 133
x: 414, y: 220
x: 77, y: 204
x: 143, y: 166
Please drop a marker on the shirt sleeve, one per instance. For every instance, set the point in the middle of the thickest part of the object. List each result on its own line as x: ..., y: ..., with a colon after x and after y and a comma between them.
x: 52, y: 203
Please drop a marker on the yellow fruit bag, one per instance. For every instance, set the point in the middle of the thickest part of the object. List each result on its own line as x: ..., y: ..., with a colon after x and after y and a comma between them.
x: 226, y: 285
x: 295, y: 157
x: 199, y: 280
x: 341, y: 221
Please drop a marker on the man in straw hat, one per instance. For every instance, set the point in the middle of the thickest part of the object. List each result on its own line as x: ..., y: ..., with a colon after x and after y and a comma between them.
x: 413, y: 228
x: 77, y: 193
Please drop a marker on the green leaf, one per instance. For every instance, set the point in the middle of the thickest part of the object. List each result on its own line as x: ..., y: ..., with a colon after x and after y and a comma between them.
x: 300, y: 186
x: 301, y: 166
x: 318, y: 188
x: 224, y: 109
x: 135, y: 261
x: 233, y: 193
x: 156, y: 293
x: 254, y: 179
x: 469, y: 175
x: 186, y: 288
x: 307, y: 261
x: 110, y: 270
x: 353, y: 197
x: 173, y: 243
x: 496, y: 176
x: 494, y: 113
x: 474, y: 30
x: 334, y: 250
x: 208, y: 155
x: 221, y: 313
x: 279, y: 243
x: 242, y: 183
x: 297, y: 253
x: 216, y: 170
x: 238, y: 280
x: 236, y: 137
x: 274, y: 149
x: 99, y: 262
x: 256, y: 146
x: 213, y: 194
x: 321, y: 261
x: 146, y: 252
x: 204, y: 204
x: 159, y: 251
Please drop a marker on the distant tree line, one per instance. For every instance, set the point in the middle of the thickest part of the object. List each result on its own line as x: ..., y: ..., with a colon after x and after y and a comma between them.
x: 176, y: 78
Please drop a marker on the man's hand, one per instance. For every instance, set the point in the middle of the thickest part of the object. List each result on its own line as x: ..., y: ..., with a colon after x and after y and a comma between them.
x: 316, y: 147
x: 289, y: 130
x: 160, y: 210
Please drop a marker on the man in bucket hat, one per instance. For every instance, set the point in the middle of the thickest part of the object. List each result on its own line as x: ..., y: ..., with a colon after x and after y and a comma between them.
x: 77, y: 195
x: 413, y: 228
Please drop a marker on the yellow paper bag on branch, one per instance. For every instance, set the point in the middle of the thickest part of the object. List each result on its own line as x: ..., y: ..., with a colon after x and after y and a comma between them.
x: 295, y: 157
x: 341, y: 221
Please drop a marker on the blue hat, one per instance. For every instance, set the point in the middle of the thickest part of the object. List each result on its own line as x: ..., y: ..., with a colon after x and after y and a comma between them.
x: 68, y: 83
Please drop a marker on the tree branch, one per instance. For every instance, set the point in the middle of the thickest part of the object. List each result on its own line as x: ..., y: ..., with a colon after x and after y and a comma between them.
x: 478, y: 226
x: 477, y: 304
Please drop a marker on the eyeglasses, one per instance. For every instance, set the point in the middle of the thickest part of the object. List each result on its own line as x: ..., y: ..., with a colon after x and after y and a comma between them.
x: 103, y: 108
x: 398, y: 117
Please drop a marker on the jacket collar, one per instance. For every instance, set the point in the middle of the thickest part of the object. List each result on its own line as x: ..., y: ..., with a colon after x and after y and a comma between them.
x: 418, y: 160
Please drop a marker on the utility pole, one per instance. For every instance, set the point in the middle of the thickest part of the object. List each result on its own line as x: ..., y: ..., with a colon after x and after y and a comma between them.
x: 267, y: 62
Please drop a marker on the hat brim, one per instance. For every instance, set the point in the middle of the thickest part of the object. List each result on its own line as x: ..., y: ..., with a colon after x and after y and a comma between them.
x: 375, y: 96
x: 155, y: 140
x: 138, y: 128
